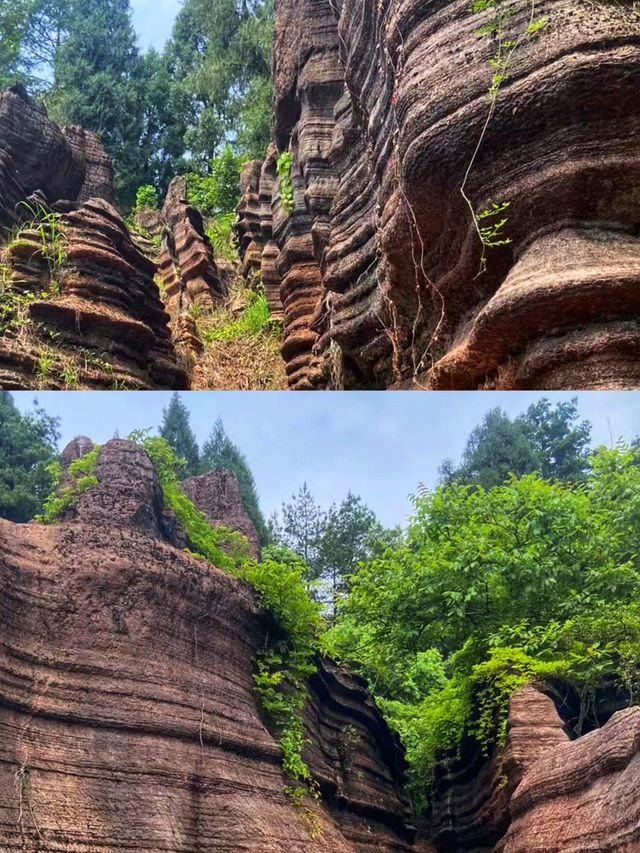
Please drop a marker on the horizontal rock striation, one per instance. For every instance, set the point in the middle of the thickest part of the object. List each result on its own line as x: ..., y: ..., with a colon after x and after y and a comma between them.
x: 399, y: 156
x: 217, y: 495
x: 80, y: 306
x: 128, y: 716
x: 187, y: 266
x: 87, y: 312
x: 543, y: 791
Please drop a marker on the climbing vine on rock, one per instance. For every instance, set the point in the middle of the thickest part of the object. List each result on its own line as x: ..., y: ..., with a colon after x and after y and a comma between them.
x: 489, y: 222
x: 284, y: 166
x: 82, y: 477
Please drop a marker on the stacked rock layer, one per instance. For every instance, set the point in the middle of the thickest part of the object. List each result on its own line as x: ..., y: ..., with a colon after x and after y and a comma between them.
x: 80, y: 306
x: 399, y: 156
x: 128, y: 714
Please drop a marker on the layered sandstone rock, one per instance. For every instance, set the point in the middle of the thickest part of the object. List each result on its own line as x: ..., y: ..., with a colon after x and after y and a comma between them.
x: 80, y: 304
x: 128, y: 716
x: 543, y: 791
x: 187, y: 266
x: 217, y: 495
x: 87, y: 309
x: 386, y: 112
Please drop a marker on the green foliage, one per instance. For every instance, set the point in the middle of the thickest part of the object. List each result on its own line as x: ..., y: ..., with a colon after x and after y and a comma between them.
x: 254, y: 319
x: 284, y: 166
x: 546, y: 438
x: 27, y: 449
x: 218, y: 191
x: 147, y: 196
x: 223, y: 238
x: 220, y: 452
x: 225, y: 548
x: 96, y: 77
x: 285, y: 667
x: 221, y: 52
x: 176, y: 430
x: 80, y: 478
x: 493, y: 589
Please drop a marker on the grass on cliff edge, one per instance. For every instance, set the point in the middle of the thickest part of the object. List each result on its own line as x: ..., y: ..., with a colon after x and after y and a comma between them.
x: 242, y: 345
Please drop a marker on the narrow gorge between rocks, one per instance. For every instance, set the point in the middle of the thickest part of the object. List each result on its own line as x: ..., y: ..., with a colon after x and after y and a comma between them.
x: 450, y: 201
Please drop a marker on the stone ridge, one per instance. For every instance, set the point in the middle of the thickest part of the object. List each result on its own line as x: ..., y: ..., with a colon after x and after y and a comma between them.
x: 87, y: 311
x: 382, y: 107
x: 128, y: 715
x: 217, y: 495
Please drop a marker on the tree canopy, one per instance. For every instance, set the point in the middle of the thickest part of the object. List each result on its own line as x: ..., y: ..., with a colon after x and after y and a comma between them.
x: 546, y: 438
x: 28, y: 444
x: 176, y: 430
x: 159, y: 113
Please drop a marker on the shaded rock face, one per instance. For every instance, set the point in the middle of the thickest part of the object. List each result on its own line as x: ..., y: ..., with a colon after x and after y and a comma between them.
x: 383, y: 281
x: 128, y: 717
x: 81, y: 307
x: 217, y: 495
x: 543, y: 791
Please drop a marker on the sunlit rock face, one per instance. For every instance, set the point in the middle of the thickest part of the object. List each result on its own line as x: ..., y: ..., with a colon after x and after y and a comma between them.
x: 397, y: 153
x: 129, y: 718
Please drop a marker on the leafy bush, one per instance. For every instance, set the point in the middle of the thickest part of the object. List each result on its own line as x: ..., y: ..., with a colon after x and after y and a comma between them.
x: 494, y: 589
x: 147, y: 196
x: 219, y: 191
x: 223, y: 238
x: 226, y: 548
x: 81, y: 474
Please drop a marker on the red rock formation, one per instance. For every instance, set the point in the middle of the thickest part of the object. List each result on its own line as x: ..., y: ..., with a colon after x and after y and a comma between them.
x: 128, y: 716
x: 543, y: 792
x: 582, y: 795
x: 80, y: 304
x: 98, y: 169
x: 248, y: 225
x: 187, y: 266
x: 383, y: 275
x: 93, y: 317
x: 217, y: 495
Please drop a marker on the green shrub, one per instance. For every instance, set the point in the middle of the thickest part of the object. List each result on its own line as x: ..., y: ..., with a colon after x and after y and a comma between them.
x: 219, y: 191
x: 147, y: 196
x: 81, y: 474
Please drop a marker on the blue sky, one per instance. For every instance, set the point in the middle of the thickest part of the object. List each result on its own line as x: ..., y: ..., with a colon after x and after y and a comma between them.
x: 379, y: 445
x: 153, y: 20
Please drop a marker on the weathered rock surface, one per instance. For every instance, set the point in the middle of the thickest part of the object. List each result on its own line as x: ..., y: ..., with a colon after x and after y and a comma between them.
x: 217, y: 495
x: 80, y: 304
x: 583, y: 795
x: 383, y: 279
x: 543, y: 791
x: 187, y: 266
x: 128, y: 716
x: 88, y: 312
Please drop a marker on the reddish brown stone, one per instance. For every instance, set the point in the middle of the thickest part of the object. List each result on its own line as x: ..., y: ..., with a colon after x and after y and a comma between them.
x: 128, y: 714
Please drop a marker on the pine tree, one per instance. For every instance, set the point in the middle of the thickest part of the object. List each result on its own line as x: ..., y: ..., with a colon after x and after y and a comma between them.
x: 219, y: 452
x: 97, y: 84
x: 346, y: 539
x: 302, y: 524
x: 176, y: 429
x: 547, y: 439
x: 27, y: 447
